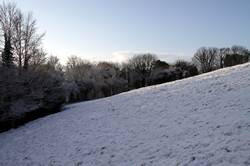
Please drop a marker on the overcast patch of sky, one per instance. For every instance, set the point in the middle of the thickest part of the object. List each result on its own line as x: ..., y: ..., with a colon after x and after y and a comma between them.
x: 98, y: 29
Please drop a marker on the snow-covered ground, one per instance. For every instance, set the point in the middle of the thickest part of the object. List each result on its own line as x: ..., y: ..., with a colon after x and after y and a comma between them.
x: 198, y: 121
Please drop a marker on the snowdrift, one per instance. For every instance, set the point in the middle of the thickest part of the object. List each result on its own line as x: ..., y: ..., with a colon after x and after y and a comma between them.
x: 204, y: 120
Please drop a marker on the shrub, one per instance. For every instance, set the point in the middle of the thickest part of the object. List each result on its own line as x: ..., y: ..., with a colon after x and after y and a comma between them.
x: 28, y: 95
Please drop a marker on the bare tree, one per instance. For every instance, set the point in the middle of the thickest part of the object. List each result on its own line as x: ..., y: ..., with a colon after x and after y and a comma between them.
x: 53, y: 63
x: 38, y: 58
x: 18, y: 37
x: 21, y: 29
x: 222, y: 52
x: 240, y: 50
x: 143, y: 64
x: 77, y: 69
x: 31, y: 40
x: 7, y: 15
x: 8, y: 12
x: 205, y: 59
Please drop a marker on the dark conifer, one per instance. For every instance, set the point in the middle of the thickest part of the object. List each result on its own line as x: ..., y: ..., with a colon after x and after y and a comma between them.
x: 7, y: 55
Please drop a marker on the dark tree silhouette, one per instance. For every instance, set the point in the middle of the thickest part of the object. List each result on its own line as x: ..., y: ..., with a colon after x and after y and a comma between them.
x: 187, y: 68
x: 161, y: 65
x: 235, y: 59
x: 7, y: 55
x: 237, y: 55
x: 143, y: 65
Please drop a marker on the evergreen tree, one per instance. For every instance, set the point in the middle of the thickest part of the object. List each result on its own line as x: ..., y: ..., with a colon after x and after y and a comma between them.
x: 7, y: 55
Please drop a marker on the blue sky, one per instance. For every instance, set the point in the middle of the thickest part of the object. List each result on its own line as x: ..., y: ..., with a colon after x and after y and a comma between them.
x: 114, y: 29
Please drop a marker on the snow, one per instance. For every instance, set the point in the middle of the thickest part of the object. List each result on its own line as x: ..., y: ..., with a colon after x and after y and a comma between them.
x: 204, y: 120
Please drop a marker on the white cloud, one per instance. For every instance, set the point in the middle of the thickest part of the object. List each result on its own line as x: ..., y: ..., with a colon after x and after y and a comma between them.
x: 172, y: 57
x: 122, y: 56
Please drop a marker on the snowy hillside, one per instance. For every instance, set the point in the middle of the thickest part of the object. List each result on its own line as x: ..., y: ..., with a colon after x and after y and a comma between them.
x: 198, y: 121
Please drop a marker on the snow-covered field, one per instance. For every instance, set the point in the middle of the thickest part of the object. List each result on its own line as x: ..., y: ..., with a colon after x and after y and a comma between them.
x: 198, y: 121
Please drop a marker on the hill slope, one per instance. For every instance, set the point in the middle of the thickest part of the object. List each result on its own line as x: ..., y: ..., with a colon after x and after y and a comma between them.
x: 203, y: 120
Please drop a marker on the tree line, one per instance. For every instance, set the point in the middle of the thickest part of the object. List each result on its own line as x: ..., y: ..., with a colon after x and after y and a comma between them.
x: 30, y: 83
x: 85, y: 80
x: 212, y: 58
x: 33, y: 84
